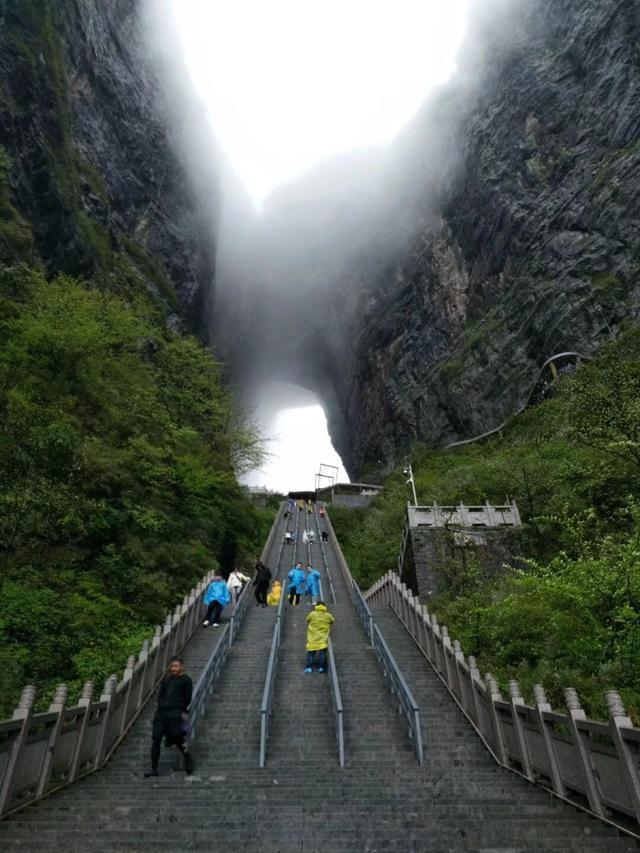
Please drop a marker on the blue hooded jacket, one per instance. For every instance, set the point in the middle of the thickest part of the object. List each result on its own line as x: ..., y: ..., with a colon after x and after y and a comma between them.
x: 313, y: 582
x: 217, y: 591
x: 297, y: 581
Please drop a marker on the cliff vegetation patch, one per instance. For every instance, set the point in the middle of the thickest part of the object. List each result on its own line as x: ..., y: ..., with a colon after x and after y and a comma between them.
x: 569, y: 613
x: 119, y: 449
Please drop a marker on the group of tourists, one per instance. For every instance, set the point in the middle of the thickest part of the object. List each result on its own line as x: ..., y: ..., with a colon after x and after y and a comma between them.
x: 303, y: 582
x: 301, y: 505
x: 171, y: 720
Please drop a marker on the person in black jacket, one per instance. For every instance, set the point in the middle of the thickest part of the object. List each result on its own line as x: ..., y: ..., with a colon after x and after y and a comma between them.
x: 171, y: 718
x: 261, y: 583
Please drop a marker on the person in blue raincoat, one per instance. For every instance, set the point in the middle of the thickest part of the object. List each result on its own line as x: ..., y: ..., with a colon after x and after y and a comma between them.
x: 297, y: 581
x: 216, y: 597
x: 312, y: 584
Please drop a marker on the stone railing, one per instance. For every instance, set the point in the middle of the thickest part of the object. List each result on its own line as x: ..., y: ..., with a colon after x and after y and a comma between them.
x: 40, y: 752
x: 594, y: 765
x: 486, y: 515
x: 394, y: 676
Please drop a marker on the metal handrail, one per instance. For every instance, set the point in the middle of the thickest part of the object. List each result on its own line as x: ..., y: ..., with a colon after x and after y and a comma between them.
x: 571, y: 756
x: 266, y: 705
x: 218, y: 657
x: 336, y: 695
x: 363, y: 610
x: 286, y: 527
x: 324, y: 557
x: 208, y: 677
x: 239, y: 613
x: 392, y: 671
x: 399, y: 688
x: 336, y: 701
x: 341, y: 558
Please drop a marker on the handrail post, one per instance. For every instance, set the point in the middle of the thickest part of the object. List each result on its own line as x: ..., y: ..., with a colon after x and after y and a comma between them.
x: 83, y: 702
x: 154, y: 653
x: 143, y: 658
x: 619, y: 720
x: 23, y: 712
x: 231, y: 627
x: 474, y: 679
x: 418, y: 737
x: 57, y: 707
x: 516, y: 702
x: 128, y: 679
x: 574, y: 715
x: 542, y: 707
x: 107, y: 696
x: 494, y: 696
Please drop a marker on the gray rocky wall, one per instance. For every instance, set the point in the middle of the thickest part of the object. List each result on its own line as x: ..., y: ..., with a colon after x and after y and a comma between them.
x: 94, y: 178
x: 535, y: 249
x: 439, y: 558
x: 419, y: 289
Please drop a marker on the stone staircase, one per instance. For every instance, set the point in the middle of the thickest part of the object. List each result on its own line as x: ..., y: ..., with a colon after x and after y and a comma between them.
x: 460, y: 800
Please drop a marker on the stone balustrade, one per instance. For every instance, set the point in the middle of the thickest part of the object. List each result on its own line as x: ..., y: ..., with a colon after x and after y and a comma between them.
x: 40, y: 752
x: 595, y: 765
x: 486, y: 515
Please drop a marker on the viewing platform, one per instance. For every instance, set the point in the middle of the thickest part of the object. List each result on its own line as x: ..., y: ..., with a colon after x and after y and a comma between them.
x: 487, y: 515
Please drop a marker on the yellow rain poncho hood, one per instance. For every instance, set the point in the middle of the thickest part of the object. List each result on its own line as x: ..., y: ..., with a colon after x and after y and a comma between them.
x: 274, y: 595
x: 319, y: 623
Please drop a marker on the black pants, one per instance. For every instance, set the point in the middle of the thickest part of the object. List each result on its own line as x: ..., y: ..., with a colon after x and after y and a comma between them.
x: 318, y: 657
x: 169, y: 728
x: 213, y: 611
x: 260, y: 593
x: 294, y: 596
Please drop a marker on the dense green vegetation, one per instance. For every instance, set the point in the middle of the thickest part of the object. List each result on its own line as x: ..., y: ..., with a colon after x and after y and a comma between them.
x: 119, y: 444
x: 119, y: 449
x: 570, y: 614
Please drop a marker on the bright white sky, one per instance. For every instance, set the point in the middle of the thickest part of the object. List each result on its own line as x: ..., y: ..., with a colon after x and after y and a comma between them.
x: 298, y: 443
x: 291, y: 82
x: 288, y: 83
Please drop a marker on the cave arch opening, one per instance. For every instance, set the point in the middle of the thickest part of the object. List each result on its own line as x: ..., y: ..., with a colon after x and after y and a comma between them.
x: 294, y: 423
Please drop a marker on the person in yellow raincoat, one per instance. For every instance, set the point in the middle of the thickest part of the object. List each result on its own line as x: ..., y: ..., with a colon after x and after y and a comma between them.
x: 274, y: 595
x: 319, y: 623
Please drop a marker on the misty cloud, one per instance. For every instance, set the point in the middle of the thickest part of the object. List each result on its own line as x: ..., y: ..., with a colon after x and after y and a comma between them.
x: 293, y: 284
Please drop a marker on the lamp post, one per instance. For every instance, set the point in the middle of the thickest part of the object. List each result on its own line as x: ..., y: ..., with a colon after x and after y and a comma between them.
x: 409, y: 470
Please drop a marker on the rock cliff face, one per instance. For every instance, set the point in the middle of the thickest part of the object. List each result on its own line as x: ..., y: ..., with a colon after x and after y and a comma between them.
x: 90, y: 182
x: 536, y: 247
x: 417, y: 289
x: 507, y: 232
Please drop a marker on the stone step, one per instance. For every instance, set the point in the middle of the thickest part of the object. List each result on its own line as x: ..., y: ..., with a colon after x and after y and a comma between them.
x: 382, y: 801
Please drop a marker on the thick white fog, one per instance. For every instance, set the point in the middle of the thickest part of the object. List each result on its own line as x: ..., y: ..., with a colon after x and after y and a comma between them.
x: 286, y: 86
x: 320, y: 143
x: 298, y: 443
x: 288, y: 83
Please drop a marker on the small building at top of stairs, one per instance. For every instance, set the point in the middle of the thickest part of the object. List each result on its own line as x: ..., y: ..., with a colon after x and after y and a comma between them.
x: 441, y: 545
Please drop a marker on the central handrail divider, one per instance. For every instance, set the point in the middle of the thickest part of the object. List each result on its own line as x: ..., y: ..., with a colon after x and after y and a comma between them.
x: 397, y: 682
x: 400, y: 689
x: 217, y: 659
x: 336, y: 701
x: 336, y: 696
x: 363, y: 610
x: 269, y: 683
x: 324, y: 555
x: 266, y: 705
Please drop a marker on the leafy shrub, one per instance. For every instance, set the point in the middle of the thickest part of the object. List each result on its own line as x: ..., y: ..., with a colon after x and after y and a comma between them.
x: 119, y: 447
x: 572, y: 618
